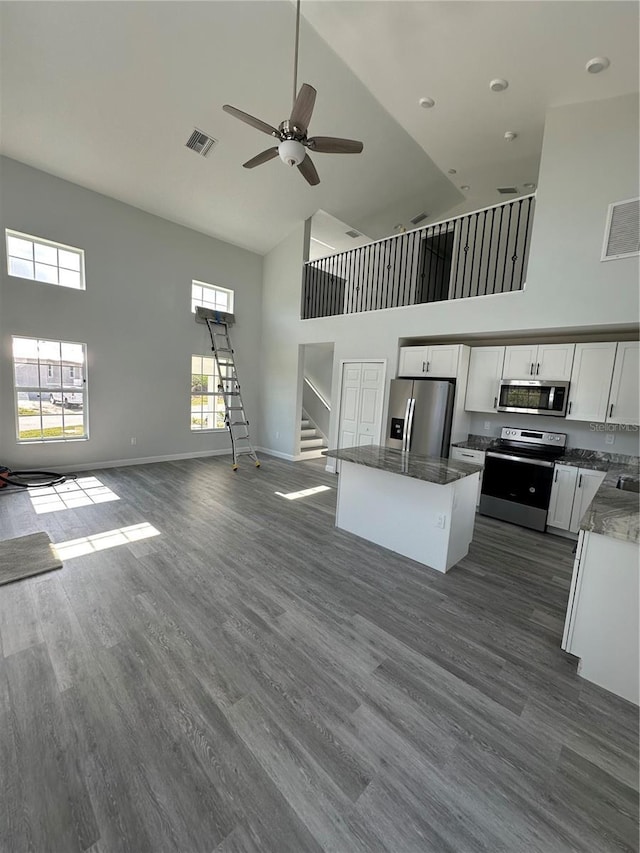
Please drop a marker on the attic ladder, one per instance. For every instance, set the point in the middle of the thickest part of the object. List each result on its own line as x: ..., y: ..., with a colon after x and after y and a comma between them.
x: 228, y: 386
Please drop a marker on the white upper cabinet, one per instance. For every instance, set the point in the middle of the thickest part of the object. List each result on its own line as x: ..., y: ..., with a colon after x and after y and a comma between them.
x: 520, y: 361
x: 437, y: 362
x: 413, y: 361
x: 591, y: 382
x: 554, y: 362
x: 539, y: 361
x: 485, y: 372
x: 624, y: 401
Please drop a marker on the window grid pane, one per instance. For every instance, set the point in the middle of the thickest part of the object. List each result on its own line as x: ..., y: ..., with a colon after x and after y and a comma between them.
x: 54, y: 263
x: 207, y: 408
x: 210, y: 296
x: 50, y: 390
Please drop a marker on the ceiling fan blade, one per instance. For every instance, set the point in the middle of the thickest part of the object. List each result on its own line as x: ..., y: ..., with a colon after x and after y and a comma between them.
x: 261, y: 158
x: 334, y: 145
x: 309, y: 171
x: 303, y: 107
x: 254, y: 122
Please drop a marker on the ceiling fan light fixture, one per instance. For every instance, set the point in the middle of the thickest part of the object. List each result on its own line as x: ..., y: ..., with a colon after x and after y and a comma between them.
x: 291, y: 152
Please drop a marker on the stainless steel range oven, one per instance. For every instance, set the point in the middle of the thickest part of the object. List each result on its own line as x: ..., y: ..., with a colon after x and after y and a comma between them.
x: 518, y: 476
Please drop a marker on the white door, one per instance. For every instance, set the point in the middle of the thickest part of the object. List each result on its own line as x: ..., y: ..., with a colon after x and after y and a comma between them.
x: 520, y: 362
x: 591, y: 382
x: 485, y: 372
x: 413, y: 361
x: 361, y: 403
x: 562, y: 493
x: 589, y: 482
x: 554, y: 362
x: 624, y: 400
x: 442, y: 362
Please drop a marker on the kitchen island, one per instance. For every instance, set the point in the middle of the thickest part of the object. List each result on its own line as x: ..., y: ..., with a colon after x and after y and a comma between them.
x: 422, y: 507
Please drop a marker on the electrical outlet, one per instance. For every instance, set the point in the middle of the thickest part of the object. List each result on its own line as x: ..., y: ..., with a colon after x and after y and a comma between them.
x: 441, y: 520
x: 609, y: 438
x: 133, y: 439
x: 487, y: 424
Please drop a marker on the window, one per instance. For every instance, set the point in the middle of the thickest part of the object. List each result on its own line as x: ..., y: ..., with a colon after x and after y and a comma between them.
x: 207, y: 409
x: 50, y: 390
x: 42, y: 260
x: 209, y: 296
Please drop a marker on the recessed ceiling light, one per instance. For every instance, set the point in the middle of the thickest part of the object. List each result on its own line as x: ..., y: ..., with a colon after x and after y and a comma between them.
x: 399, y: 228
x: 529, y: 186
x: 498, y: 85
x: 510, y: 136
x: 597, y: 64
x: 427, y: 103
x: 465, y: 187
x: 452, y: 171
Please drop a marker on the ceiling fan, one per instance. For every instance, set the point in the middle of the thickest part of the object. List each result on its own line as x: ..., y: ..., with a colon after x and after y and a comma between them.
x: 292, y: 132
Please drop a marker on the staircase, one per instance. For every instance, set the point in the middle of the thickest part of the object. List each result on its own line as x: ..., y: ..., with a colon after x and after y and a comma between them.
x: 312, y: 442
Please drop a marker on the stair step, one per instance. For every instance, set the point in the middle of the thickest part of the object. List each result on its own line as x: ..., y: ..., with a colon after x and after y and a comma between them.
x: 312, y: 451
x: 311, y: 442
x: 305, y: 424
x: 309, y: 432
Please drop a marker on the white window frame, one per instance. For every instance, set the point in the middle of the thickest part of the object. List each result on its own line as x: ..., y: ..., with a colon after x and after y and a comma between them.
x: 206, y: 394
x: 213, y: 289
x: 40, y: 241
x: 43, y: 390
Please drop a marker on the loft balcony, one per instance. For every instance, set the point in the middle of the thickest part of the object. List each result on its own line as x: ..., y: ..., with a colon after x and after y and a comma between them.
x: 478, y: 254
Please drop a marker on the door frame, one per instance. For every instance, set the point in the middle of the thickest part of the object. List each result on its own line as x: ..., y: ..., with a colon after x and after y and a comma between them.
x: 333, y: 465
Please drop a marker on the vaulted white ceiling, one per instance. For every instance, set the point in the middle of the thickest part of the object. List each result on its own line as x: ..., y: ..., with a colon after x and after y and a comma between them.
x: 106, y: 95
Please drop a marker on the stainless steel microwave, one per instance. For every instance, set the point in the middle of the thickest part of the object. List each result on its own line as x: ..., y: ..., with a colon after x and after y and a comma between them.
x: 533, y: 397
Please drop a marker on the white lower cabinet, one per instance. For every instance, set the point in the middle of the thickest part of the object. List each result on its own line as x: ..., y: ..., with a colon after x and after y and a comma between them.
x: 563, y: 490
x: 476, y: 457
x: 572, y: 491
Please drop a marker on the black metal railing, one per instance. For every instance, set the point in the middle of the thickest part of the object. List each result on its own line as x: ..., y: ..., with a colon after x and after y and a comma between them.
x: 478, y: 254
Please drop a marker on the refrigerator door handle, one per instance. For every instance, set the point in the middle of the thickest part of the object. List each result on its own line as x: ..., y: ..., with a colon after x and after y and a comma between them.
x: 412, y: 406
x: 405, y: 429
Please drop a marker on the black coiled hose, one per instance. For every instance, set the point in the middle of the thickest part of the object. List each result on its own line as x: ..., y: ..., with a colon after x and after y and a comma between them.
x: 32, y: 479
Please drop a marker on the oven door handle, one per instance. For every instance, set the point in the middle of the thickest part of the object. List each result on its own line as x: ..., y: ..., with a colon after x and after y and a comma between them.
x: 544, y: 463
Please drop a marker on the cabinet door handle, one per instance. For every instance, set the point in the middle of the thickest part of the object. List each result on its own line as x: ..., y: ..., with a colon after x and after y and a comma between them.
x: 580, y: 482
x: 495, y: 402
x: 427, y: 367
x: 531, y: 371
x: 537, y: 368
x: 555, y: 479
x: 424, y: 368
x: 569, y: 409
x: 611, y: 410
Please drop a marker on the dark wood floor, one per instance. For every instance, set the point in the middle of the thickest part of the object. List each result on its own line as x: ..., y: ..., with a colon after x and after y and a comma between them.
x: 254, y: 680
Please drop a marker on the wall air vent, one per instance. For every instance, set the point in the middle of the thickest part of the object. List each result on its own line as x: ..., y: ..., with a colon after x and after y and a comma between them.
x: 353, y: 234
x: 507, y: 190
x: 419, y: 218
x: 622, y: 231
x: 200, y: 142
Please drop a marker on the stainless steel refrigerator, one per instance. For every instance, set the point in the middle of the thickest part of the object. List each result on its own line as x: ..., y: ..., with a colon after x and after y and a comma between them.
x: 420, y: 415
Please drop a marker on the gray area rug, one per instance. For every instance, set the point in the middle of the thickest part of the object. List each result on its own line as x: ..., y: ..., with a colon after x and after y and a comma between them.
x: 26, y: 556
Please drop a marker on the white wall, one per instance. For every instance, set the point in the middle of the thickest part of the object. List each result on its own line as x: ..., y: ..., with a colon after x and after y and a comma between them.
x: 589, y: 159
x: 134, y: 317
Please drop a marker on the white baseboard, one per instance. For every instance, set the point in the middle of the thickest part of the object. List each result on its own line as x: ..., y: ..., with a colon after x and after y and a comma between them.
x: 277, y: 454
x: 142, y: 460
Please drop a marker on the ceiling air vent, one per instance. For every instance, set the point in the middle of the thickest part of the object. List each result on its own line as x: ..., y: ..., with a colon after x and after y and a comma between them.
x: 622, y: 232
x: 507, y: 190
x: 353, y: 234
x: 419, y: 218
x: 200, y: 142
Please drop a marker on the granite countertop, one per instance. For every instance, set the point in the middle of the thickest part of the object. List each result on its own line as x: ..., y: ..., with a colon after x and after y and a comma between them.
x: 431, y: 469
x: 474, y: 442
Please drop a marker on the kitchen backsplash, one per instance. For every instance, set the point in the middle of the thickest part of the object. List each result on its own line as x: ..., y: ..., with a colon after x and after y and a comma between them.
x: 580, y: 435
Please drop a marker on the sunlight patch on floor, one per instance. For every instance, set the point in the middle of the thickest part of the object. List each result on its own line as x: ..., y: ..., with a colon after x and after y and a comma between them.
x: 102, y: 541
x: 74, y: 493
x: 293, y: 496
